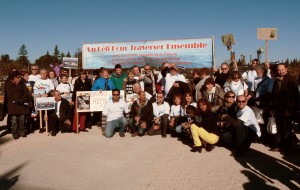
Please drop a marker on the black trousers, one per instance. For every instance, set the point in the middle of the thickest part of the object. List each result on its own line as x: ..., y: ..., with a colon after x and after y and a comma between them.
x: 56, y: 124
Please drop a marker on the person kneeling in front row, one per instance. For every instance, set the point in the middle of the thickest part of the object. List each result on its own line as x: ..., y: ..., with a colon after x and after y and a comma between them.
x: 113, y: 115
x: 206, y: 133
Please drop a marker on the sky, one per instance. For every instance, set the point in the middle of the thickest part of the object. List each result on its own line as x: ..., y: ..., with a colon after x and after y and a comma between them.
x: 42, y: 24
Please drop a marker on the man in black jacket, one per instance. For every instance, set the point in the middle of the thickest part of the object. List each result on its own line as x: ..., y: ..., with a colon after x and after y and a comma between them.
x: 61, y: 117
x: 140, y: 115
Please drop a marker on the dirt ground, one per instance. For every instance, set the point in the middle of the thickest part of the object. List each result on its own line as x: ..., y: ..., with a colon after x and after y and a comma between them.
x: 91, y: 161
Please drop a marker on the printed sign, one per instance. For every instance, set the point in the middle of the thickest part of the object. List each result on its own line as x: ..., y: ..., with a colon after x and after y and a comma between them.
x: 189, y: 53
x: 267, y: 33
x: 45, y: 103
x: 89, y: 101
x: 70, y: 63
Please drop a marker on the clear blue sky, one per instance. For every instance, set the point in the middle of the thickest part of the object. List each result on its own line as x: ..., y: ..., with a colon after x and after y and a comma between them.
x: 42, y: 24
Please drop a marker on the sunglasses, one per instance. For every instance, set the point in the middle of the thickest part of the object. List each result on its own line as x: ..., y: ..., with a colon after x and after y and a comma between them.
x: 241, y: 101
x: 116, y: 94
x: 224, y: 68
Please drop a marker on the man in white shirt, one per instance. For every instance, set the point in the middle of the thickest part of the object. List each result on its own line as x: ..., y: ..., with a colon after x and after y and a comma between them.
x: 113, y: 115
x: 249, y: 76
x: 245, y: 127
x: 171, y: 79
x: 161, y: 111
x: 34, y: 74
x: 44, y: 83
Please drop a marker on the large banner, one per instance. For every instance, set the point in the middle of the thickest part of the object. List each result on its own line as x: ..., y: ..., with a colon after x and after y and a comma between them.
x: 188, y: 53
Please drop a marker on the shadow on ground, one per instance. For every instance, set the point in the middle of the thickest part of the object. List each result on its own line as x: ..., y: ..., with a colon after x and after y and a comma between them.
x: 262, y: 168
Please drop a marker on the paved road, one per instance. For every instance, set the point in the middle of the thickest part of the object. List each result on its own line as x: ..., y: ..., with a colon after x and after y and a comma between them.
x: 90, y: 161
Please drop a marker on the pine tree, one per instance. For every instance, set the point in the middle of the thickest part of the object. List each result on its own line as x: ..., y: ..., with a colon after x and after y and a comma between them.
x: 23, y: 58
x: 68, y: 54
x: 56, y: 52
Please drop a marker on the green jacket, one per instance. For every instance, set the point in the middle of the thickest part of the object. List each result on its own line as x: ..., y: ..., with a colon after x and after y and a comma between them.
x: 118, y: 80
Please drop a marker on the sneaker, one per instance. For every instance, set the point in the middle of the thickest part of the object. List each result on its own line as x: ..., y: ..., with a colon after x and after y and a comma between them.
x: 122, y: 135
x: 209, y: 147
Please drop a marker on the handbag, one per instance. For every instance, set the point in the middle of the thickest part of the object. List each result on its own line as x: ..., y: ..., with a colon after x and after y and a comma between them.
x: 259, y: 115
x: 271, y: 127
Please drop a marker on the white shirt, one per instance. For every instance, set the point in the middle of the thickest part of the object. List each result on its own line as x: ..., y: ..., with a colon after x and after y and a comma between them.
x: 58, y: 107
x: 34, y: 77
x: 170, y: 81
x: 237, y: 87
x: 65, y: 87
x: 115, y: 110
x: 176, y: 110
x: 249, y: 76
x: 160, y: 110
x: 46, y: 84
x: 248, y: 117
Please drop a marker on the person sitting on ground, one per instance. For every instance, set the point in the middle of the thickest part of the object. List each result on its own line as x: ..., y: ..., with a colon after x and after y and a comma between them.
x: 245, y: 127
x: 140, y: 119
x: 229, y: 107
x: 161, y: 111
x: 60, y: 118
x: 206, y: 133
x: 176, y: 113
x: 113, y: 115
x: 188, y: 100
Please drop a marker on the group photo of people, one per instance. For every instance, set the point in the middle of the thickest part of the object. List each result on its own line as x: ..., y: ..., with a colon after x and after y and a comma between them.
x: 204, y: 107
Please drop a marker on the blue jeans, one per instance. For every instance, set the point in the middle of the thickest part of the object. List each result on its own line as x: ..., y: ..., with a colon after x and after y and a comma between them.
x: 112, y: 125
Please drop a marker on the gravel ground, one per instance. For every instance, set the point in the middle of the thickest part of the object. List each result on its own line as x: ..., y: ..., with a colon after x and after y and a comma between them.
x: 91, y: 161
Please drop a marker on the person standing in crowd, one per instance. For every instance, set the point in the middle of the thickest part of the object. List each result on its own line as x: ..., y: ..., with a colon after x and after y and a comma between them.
x: 17, y: 104
x: 249, y: 76
x: 236, y: 84
x: 245, y: 127
x: 83, y: 83
x: 56, y: 68
x: 129, y: 82
x: 60, y: 118
x: 161, y: 82
x: 30, y: 122
x: 150, y: 84
x: 34, y: 74
x: 103, y: 83
x: 204, y: 74
x: 206, y: 133
x: 161, y: 111
x: 118, y: 77
x: 213, y: 93
x: 44, y: 83
x: 284, y: 106
x: 113, y: 115
x: 221, y: 77
x: 176, y: 113
x: 53, y: 78
x: 65, y: 87
x: 140, y: 77
x: 140, y: 119
x: 175, y: 84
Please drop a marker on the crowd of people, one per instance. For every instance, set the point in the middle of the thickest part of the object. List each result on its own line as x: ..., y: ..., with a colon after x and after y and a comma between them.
x: 216, y: 106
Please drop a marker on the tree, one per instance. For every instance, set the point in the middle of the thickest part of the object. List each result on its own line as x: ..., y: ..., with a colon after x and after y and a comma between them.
x: 68, y: 54
x: 6, y: 59
x: 23, y: 59
x: 62, y: 55
x: 56, y: 52
x: 45, y: 61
